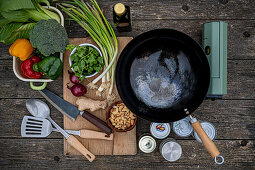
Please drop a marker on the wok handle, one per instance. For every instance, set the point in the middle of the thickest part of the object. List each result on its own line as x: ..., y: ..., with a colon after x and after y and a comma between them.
x: 79, y: 147
x: 207, y: 142
x: 91, y: 134
x: 97, y: 122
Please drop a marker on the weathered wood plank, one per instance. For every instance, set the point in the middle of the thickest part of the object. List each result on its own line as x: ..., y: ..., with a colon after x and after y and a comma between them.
x: 12, y: 112
x: 238, y: 31
x: 241, y: 34
x: 4, y: 52
x: 183, y: 9
x: 12, y: 87
x: 241, y: 82
x: 233, y: 119
x: 48, y: 153
x: 241, y: 79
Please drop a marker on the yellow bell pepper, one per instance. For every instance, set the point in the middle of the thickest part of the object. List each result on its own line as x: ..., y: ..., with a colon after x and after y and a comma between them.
x: 21, y: 48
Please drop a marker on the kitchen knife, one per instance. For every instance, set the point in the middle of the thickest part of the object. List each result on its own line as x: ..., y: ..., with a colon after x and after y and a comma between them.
x: 72, y: 111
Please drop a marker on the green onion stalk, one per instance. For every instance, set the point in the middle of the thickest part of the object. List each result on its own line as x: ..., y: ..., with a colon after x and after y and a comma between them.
x: 91, y: 18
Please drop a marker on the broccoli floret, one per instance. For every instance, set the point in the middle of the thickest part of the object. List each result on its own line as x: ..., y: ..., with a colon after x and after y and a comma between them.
x: 49, y: 37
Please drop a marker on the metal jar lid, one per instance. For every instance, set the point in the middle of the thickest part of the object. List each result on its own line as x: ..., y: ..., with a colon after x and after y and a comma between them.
x: 160, y: 130
x: 147, y: 144
x: 209, y: 129
x: 182, y: 127
x: 170, y: 150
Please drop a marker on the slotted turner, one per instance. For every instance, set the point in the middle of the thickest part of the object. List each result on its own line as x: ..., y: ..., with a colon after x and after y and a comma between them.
x: 35, y: 127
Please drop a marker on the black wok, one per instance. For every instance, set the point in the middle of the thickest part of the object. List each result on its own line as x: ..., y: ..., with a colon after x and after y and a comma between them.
x: 162, y: 75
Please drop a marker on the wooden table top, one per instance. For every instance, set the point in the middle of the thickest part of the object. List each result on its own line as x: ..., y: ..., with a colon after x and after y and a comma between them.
x: 233, y: 116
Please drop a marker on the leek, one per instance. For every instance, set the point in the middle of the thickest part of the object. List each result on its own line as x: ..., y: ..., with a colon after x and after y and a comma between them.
x: 91, y: 18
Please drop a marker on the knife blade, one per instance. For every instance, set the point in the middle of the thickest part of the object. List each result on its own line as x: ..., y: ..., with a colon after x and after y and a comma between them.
x: 90, y: 134
x: 74, y: 132
x: 72, y: 111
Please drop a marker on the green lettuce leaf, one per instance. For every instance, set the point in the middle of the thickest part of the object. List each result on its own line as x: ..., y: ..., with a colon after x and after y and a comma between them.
x: 6, y: 30
x: 22, y: 32
x: 16, y: 16
x: 8, y: 5
x: 4, y: 21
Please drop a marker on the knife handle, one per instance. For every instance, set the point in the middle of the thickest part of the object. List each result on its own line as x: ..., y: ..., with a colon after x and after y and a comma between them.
x: 97, y: 122
x: 91, y: 134
x: 79, y: 147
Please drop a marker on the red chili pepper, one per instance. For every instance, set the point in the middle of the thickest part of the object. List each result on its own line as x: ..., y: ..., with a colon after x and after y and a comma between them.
x: 26, y: 68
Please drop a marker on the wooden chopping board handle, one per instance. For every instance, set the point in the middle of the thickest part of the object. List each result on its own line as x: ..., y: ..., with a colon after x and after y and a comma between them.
x: 97, y: 122
x: 79, y: 147
x: 207, y: 142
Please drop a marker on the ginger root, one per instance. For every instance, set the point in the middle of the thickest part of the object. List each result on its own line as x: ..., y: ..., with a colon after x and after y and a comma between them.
x: 93, y: 105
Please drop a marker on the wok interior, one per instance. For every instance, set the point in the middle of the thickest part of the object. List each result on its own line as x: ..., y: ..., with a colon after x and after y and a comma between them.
x: 162, y: 75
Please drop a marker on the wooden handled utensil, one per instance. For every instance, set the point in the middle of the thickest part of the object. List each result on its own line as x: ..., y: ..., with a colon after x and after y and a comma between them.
x: 40, y: 109
x: 39, y: 127
x: 74, y: 142
x: 207, y: 142
x: 90, y: 134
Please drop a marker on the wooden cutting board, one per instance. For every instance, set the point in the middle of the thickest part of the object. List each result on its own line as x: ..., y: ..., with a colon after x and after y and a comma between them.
x: 123, y: 143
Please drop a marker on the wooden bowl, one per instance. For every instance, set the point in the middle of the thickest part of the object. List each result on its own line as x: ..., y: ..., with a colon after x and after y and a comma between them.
x: 109, y: 122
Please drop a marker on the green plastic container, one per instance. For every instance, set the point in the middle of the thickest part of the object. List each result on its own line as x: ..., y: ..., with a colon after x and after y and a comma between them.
x: 215, y: 47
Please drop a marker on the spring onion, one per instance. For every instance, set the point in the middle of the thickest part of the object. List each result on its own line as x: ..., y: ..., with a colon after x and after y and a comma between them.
x: 91, y: 18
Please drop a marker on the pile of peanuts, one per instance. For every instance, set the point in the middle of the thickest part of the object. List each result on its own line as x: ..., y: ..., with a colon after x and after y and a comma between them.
x: 121, y: 117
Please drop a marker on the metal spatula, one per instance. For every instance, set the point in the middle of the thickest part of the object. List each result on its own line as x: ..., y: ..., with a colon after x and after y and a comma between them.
x: 35, y: 127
